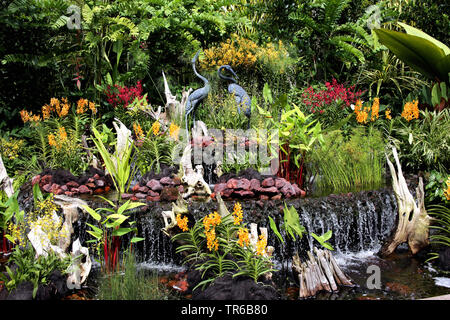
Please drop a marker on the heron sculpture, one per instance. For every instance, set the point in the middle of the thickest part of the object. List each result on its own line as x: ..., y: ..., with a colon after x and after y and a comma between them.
x: 240, y: 95
x: 198, y: 95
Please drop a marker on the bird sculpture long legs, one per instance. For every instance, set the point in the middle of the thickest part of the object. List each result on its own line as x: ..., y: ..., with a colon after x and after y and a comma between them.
x: 198, y: 95
x: 240, y: 95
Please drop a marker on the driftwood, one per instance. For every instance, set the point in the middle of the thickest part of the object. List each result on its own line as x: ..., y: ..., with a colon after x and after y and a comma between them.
x: 178, y: 207
x: 193, y: 178
x: 413, y: 220
x: 175, y: 108
x: 6, y: 183
x: 319, y: 273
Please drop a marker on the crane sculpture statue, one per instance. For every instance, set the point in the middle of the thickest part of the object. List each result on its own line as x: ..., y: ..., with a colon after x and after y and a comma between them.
x: 240, y: 95
x: 198, y: 95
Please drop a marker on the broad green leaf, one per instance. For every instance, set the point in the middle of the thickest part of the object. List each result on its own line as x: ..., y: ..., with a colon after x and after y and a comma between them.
x: 416, y: 32
x: 418, y: 52
x: 92, y: 212
x: 121, y: 231
x: 274, y: 228
x: 136, y: 239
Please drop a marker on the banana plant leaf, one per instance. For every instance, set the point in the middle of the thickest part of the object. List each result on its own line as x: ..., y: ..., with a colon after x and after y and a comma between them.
x: 417, y: 51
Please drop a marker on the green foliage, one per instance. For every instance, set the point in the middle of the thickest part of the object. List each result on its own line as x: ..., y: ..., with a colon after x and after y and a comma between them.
x: 390, y: 78
x: 323, y: 238
x: 424, y: 142
x: 118, y: 166
x: 107, y: 232
x: 293, y: 228
x: 343, y: 163
x: 31, y: 269
x: 441, y: 224
x: 422, y: 52
x: 434, y: 189
x: 154, y: 152
x: 131, y: 284
x: 327, y: 42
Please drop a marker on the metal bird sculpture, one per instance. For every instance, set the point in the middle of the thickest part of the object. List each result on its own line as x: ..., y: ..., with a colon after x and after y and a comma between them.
x: 240, y: 95
x: 198, y: 95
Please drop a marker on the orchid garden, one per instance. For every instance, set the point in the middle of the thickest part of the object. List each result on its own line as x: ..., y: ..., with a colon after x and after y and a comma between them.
x: 224, y: 150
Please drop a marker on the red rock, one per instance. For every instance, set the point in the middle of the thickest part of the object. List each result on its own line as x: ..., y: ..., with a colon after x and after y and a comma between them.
x: 288, y: 190
x: 74, y: 190
x: 268, y: 182
x: 136, y: 188
x: 220, y: 187
x: 47, y: 188
x: 55, y: 189
x: 140, y: 195
x: 150, y: 198
x: 133, y: 198
x: 107, y: 188
x: 276, y: 197
x: 64, y: 188
x: 126, y: 196
x: 255, y: 184
x: 280, y: 182
x: 155, y: 185
x: 35, y: 179
x: 169, y: 194
x: 99, y: 191
x: 96, y: 176
x: 166, y: 180
x: 90, y: 185
x: 83, y: 189
x: 227, y: 193
x: 100, y: 183
x: 143, y: 189
x: 46, y: 179
x: 90, y: 180
x: 180, y: 189
x: 243, y: 184
x: 232, y: 183
x: 302, y: 193
x: 68, y: 193
x: 243, y: 193
x: 264, y: 197
x: 268, y: 190
x: 72, y: 184
x: 297, y: 190
x: 152, y: 193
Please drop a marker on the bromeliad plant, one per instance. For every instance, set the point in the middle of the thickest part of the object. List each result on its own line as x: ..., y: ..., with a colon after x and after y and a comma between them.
x: 107, y: 234
x: 219, y: 244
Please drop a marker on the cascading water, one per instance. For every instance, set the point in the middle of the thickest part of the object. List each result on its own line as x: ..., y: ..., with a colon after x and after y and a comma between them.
x: 359, y: 222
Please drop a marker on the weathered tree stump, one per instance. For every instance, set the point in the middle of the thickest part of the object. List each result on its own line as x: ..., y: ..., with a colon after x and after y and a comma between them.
x: 413, y: 220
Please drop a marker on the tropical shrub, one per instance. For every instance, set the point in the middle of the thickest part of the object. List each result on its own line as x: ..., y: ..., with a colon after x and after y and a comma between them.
x: 29, y: 268
x: 422, y: 137
x: 107, y: 234
x: 297, y: 134
x: 437, y: 190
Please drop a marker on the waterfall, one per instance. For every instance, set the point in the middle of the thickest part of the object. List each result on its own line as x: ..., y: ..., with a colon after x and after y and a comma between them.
x: 359, y: 222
